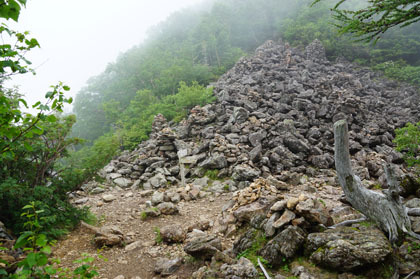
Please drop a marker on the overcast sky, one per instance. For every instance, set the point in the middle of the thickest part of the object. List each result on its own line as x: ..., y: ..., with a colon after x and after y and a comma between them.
x: 79, y: 38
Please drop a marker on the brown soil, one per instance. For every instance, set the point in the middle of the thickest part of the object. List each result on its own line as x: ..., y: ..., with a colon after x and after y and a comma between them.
x: 124, y: 212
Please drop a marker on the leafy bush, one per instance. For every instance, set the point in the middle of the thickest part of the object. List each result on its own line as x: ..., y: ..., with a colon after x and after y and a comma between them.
x: 35, y: 244
x: 407, y: 140
x: 399, y: 70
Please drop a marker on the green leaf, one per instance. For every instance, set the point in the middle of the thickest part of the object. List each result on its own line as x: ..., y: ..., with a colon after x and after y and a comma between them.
x: 49, y: 94
x: 50, y: 270
x: 3, y: 272
x: 41, y: 259
x: 27, y: 145
x: 66, y: 88
x: 46, y: 250
x: 23, y: 102
x: 23, y: 239
x: 51, y: 118
x: 36, y: 104
x: 31, y: 259
x: 41, y: 241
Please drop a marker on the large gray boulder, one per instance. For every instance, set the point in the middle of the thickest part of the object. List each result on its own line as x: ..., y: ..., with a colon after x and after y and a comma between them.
x: 245, y: 173
x: 283, y: 245
x: 348, y: 248
x: 214, y: 162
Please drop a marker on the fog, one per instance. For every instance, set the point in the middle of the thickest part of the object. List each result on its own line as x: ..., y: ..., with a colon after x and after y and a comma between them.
x: 79, y: 38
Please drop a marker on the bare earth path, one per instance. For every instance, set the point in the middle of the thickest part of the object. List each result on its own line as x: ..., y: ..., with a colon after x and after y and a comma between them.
x: 124, y: 213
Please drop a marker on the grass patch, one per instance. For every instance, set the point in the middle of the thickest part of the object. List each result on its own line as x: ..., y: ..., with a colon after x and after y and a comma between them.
x: 212, y: 174
x: 143, y: 215
x: 252, y: 253
x: 90, y: 218
x: 158, y: 236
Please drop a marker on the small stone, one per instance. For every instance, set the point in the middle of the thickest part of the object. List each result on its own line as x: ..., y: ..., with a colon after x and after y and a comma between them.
x: 120, y: 277
x: 133, y: 246
x: 168, y: 208
x: 172, y: 234
x: 286, y: 218
x: 123, y: 182
x: 97, y: 190
x: 278, y: 206
x: 108, y: 198
x: 128, y: 195
x: 157, y: 197
x: 81, y: 201
x: 292, y: 202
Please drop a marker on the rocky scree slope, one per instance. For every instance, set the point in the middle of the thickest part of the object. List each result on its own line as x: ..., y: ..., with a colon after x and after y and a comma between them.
x: 274, y: 113
x: 268, y: 138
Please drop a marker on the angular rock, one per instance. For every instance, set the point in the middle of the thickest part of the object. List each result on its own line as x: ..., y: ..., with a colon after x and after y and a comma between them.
x: 168, y: 208
x: 172, y: 234
x: 247, y: 212
x: 214, y: 162
x: 242, y: 269
x: 284, y: 245
x: 123, y: 182
x: 315, y: 212
x: 239, y: 115
x: 166, y: 267
x: 203, y: 246
x: 269, y: 229
x: 157, y: 197
x: 348, y: 248
x: 244, y: 173
x: 158, y: 181
x: 285, y: 219
x: 108, y: 198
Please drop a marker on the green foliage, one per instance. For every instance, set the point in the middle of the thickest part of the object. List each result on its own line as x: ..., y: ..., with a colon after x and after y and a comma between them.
x: 83, y: 164
x: 412, y: 247
x: 212, y: 174
x: 31, y: 144
x: 399, y: 70
x: 137, y: 119
x: 158, y: 236
x: 11, y: 9
x: 372, y: 21
x: 194, y: 47
x: 400, y: 46
x: 188, y: 97
x: 407, y: 140
x: 35, y: 243
x: 252, y: 252
x: 143, y: 215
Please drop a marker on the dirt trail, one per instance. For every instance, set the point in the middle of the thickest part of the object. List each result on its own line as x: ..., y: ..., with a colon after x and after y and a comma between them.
x: 124, y: 213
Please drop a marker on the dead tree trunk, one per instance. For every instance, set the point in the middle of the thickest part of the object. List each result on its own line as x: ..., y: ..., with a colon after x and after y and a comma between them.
x: 385, y: 209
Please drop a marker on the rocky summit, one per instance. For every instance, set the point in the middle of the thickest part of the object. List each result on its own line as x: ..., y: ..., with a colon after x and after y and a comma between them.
x: 250, y: 178
x: 274, y: 113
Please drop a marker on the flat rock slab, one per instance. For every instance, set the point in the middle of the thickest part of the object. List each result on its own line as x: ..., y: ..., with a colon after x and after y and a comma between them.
x: 203, y: 246
x: 348, y: 248
x: 108, y: 198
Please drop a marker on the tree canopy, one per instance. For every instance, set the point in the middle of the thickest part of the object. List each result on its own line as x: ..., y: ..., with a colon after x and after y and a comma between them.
x: 369, y: 23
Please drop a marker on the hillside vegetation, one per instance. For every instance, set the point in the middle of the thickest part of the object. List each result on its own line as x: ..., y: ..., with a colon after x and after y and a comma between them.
x: 198, y: 45
x: 169, y: 73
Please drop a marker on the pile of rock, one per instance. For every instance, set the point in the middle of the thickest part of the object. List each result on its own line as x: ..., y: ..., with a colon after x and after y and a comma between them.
x: 274, y: 112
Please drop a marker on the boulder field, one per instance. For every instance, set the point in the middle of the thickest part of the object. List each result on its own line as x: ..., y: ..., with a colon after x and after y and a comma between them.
x: 266, y: 146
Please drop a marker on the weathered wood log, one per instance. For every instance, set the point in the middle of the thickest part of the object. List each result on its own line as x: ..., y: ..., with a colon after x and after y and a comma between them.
x: 385, y: 209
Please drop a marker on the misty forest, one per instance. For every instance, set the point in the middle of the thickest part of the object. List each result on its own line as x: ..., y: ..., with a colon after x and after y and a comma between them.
x: 241, y: 139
